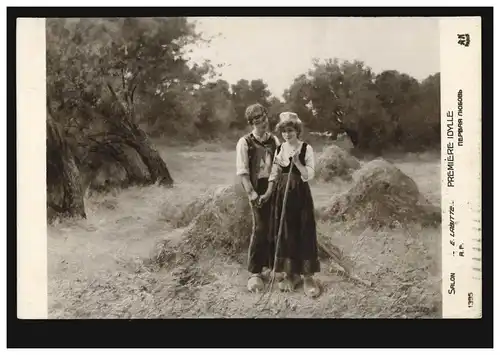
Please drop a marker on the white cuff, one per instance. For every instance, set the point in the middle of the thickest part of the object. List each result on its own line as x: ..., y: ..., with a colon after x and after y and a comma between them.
x: 310, y: 174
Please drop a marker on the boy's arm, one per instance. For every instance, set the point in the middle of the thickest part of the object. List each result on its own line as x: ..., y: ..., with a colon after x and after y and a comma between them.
x: 247, y: 185
x: 242, y: 168
x: 272, y: 177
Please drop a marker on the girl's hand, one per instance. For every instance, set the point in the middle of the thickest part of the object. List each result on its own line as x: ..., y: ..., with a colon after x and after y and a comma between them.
x: 295, y: 158
x: 264, y: 198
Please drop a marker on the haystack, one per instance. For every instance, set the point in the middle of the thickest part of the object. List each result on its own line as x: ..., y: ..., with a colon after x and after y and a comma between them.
x: 382, y: 195
x: 223, y: 227
x: 335, y: 162
x: 220, y: 222
x: 180, y: 217
x: 224, y: 222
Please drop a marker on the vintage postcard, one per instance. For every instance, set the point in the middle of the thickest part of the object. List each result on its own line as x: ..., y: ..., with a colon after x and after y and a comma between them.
x: 249, y: 167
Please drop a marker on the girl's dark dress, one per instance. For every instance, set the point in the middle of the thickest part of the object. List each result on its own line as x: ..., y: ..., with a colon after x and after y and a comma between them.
x: 297, y: 252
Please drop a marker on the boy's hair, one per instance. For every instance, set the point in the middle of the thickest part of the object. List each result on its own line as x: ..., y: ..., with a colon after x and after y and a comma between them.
x: 289, y: 119
x: 254, y: 112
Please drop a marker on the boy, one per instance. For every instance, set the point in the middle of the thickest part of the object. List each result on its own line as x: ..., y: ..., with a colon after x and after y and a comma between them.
x: 254, y: 158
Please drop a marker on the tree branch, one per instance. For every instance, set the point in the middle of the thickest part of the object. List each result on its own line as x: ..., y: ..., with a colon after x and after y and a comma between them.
x: 110, y: 88
x: 115, y: 96
x: 132, y: 93
x: 104, y: 135
x: 123, y: 79
x: 131, y: 81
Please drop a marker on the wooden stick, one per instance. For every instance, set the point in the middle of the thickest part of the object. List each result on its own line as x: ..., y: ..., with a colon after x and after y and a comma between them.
x: 280, y: 229
x: 340, y: 268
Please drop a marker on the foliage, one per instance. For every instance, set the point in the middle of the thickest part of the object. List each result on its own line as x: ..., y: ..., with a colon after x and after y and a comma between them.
x: 379, y: 112
x: 139, y: 61
x: 113, y: 82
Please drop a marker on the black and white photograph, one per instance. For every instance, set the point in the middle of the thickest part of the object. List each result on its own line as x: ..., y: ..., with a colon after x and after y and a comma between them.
x: 243, y: 167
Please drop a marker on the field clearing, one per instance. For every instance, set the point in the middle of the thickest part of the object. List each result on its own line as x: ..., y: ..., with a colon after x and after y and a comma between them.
x: 96, y: 267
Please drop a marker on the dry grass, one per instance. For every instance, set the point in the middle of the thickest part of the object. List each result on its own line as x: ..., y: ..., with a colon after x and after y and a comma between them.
x: 98, y: 269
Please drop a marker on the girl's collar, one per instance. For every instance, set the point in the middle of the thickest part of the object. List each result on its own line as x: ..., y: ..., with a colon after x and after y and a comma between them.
x: 299, y: 143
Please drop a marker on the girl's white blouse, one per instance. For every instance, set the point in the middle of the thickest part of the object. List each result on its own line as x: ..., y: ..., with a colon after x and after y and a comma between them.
x: 283, y: 159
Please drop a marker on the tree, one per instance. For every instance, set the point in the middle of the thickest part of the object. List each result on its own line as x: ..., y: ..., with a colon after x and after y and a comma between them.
x: 65, y: 197
x: 97, y: 72
x: 245, y: 93
x: 240, y: 97
x: 217, y: 110
x: 340, y: 97
x: 275, y: 108
x: 398, y: 94
x: 298, y: 98
x: 420, y: 125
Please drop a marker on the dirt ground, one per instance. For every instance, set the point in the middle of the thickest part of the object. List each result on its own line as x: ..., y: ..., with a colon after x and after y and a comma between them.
x: 97, y: 270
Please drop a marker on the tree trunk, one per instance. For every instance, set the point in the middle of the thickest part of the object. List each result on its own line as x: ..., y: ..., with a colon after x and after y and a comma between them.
x: 157, y: 168
x: 62, y: 175
x: 353, y: 135
x: 123, y: 121
x: 73, y: 204
x: 135, y: 175
x: 113, y: 150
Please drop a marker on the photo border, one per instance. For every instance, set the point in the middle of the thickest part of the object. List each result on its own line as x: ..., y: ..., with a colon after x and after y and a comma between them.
x: 325, y: 333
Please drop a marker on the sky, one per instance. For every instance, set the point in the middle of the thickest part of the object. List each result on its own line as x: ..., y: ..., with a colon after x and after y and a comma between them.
x: 279, y: 49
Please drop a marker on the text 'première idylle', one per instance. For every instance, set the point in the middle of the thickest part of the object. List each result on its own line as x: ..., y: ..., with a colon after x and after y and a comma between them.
x: 450, y: 135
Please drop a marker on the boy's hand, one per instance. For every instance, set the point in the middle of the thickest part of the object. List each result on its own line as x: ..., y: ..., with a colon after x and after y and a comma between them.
x: 253, y: 196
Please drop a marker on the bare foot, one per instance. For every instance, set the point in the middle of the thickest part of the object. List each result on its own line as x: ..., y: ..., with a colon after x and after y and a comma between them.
x: 311, y: 287
x: 267, y: 274
x: 255, y: 283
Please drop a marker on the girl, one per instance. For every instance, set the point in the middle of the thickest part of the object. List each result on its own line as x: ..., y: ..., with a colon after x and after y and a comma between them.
x: 297, y: 250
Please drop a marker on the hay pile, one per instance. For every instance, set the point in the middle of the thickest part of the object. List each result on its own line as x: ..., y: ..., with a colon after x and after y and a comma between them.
x: 382, y: 196
x: 220, y: 222
x: 180, y: 215
x: 224, y: 222
x: 335, y: 162
x: 220, y: 225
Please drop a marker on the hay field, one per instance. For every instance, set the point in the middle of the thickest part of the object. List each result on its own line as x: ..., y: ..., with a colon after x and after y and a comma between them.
x: 98, y: 267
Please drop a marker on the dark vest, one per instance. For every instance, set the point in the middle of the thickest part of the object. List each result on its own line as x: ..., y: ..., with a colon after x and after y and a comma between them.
x: 256, y: 151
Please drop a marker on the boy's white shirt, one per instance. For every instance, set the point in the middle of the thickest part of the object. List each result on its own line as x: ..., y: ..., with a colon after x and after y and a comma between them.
x: 242, y: 166
x: 283, y: 159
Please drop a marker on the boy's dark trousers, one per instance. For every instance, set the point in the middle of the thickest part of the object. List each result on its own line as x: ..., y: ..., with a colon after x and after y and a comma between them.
x: 260, y: 250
